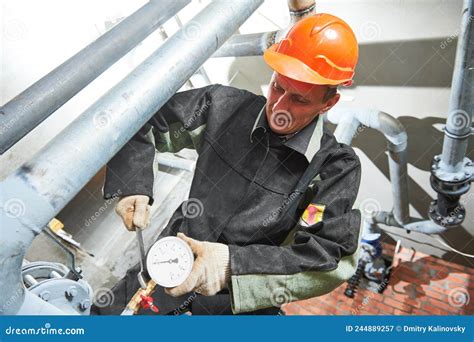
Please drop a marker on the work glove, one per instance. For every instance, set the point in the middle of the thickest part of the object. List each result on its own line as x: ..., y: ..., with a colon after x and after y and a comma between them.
x: 134, y: 211
x: 211, y: 268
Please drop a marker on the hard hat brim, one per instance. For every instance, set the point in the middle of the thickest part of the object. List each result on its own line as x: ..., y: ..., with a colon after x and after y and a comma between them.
x: 293, y: 68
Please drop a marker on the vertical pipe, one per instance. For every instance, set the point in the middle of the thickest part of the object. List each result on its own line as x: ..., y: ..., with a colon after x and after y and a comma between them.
x: 458, y: 124
x: 396, y: 137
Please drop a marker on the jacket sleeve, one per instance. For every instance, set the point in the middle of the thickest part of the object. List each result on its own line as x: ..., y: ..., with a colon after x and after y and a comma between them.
x: 179, y: 124
x: 317, y: 259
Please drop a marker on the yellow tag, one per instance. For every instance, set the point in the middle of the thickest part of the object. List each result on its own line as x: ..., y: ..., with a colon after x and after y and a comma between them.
x: 312, y: 215
x: 55, y: 225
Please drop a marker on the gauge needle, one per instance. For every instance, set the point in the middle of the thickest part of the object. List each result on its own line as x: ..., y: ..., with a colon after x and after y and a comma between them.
x: 170, y: 261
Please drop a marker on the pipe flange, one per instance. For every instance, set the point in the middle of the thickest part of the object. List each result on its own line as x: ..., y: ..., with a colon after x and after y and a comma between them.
x: 450, y: 184
x: 457, y: 136
x: 454, y: 189
x: 455, y: 217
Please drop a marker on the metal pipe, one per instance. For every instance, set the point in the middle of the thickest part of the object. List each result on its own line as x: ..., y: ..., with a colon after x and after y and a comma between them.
x: 458, y: 124
x: 39, y: 189
x: 413, y: 224
x: 28, y: 109
x: 348, y: 124
x: 452, y: 172
x: 396, y: 137
x: 176, y: 163
x: 255, y: 44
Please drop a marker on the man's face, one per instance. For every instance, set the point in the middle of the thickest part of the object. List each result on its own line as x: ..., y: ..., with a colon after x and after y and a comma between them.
x: 292, y: 105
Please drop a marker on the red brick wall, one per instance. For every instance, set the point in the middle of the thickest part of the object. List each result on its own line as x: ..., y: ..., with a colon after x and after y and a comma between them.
x: 420, y: 284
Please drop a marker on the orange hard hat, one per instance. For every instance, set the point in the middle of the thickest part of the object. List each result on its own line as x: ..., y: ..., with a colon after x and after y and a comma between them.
x: 321, y: 49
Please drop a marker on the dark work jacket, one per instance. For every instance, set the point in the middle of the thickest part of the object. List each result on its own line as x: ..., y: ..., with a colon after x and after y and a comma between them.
x: 250, y: 191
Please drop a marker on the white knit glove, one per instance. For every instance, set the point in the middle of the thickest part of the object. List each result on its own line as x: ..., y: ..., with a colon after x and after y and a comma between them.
x: 134, y: 211
x: 211, y: 269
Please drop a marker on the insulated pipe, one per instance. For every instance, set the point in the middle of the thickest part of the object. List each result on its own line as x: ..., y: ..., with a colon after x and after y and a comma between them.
x: 348, y: 123
x: 396, y: 137
x: 28, y: 109
x: 461, y: 103
x: 452, y: 171
x: 38, y: 190
x: 255, y: 44
x: 414, y: 224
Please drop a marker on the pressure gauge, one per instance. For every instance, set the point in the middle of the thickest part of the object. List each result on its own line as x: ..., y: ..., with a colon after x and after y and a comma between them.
x: 169, y: 261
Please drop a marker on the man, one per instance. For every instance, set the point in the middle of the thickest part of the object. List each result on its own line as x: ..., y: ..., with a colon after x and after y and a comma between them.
x: 273, y: 187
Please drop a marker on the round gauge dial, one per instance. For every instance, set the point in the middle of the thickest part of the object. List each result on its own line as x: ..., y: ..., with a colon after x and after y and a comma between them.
x: 169, y: 261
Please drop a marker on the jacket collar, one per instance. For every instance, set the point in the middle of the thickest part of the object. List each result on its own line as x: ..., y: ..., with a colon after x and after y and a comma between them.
x: 306, y: 142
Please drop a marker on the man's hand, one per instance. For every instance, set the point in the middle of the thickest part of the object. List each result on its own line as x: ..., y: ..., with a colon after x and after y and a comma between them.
x: 211, y: 269
x: 134, y: 211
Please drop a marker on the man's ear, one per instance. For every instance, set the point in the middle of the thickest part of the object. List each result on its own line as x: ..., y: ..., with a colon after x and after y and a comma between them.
x: 332, y: 101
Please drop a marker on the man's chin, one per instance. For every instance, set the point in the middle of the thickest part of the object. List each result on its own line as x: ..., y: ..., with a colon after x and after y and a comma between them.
x: 281, y: 130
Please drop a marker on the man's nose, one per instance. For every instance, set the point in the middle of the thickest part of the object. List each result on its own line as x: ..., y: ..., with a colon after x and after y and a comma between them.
x: 281, y: 104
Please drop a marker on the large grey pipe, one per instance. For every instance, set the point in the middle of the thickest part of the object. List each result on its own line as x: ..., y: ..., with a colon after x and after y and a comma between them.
x: 34, y: 194
x: 28, y: 109
x: 349, y: 120
x: 461, y: 103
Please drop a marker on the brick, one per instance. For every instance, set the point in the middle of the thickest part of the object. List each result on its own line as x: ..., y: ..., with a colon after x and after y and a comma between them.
x: 430, y: 292
x: 405, y: 300
x: 444, y: 305
x: 399, y: 312
x: 457, y: 280
x: 385, y: 309
x: 433, y: 310
x: 345, y: 308
x: 451, y: 265
x: 397, y: 305
x: 420, y: 312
